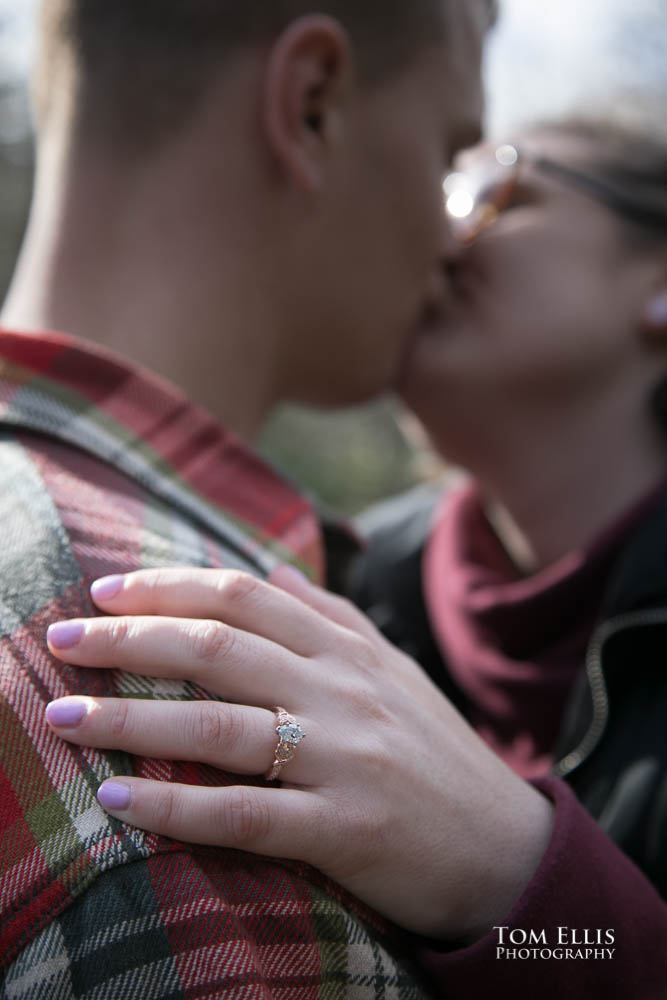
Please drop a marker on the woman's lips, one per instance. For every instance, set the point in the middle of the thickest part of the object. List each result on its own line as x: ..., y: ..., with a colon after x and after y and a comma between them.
x: 458, y: 292
x: 437, y: 321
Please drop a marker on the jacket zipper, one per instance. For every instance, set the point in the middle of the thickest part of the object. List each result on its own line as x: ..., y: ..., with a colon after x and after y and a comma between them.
x: 597, y: 684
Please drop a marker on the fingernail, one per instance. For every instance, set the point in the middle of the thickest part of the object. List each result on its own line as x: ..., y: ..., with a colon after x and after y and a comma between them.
x: 64, y: 635
x: 112, y: 795
x: 66, y: 712
x: 106, y: 587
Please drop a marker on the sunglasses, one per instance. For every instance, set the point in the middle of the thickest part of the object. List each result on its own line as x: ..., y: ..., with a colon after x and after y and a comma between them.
x: 476, y: 197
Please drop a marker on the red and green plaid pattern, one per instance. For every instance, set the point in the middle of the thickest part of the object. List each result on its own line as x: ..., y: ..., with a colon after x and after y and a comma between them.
x: 104, y: 469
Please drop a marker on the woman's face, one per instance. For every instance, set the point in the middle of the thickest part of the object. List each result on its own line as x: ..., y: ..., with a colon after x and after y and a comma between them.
x: 545, y: 304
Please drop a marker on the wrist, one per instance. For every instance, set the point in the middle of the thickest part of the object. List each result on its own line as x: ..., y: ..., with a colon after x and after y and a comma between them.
x: 508, y: 861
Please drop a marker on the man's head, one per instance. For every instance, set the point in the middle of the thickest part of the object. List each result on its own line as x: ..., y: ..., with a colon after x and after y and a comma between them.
x: 323, y: 135
x: 155, y: 58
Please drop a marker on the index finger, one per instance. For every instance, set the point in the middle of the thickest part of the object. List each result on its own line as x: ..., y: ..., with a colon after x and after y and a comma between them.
x: 235, y: 598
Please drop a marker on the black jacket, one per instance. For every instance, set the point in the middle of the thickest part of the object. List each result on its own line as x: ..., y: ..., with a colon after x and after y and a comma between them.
x: 612, y: 747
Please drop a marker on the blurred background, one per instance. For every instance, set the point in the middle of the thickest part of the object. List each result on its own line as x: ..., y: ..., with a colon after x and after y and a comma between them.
x: 544, y: 59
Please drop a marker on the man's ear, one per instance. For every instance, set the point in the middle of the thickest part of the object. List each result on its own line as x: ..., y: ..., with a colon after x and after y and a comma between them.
x: 309, y: 70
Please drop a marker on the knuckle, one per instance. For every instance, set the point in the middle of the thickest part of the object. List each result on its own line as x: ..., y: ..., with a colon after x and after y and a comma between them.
x: 164, y: 806
x: 118, y: 633
x: 119, y: 720
x: 153, y: 581
x: 210, y: 641
x: 236, y: 587
x: 210, y: 728
x: 342, y: 610
x: 366, y: 703
x: 366, y: 829
x: 363, y: 824
x: 360, y: 831
x: 360, y: 699
x: 379, y: 758
x: 349, y: 611
x: 362, y: 653
x: 245, y: 816
x: 234, y: 729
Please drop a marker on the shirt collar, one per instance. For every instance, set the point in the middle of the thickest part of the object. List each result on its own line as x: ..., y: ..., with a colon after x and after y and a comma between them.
x: 142, y: 425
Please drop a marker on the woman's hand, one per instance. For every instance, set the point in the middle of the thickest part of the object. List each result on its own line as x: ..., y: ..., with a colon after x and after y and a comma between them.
x: 391, y: 793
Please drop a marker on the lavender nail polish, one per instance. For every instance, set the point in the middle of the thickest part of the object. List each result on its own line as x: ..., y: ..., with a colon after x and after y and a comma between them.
x: 66, y: 712
x: 112, y: 795
x: 106, y: 587
x: 64, y: 635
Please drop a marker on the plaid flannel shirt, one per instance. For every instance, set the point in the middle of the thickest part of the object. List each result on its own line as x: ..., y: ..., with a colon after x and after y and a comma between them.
x: 105, y: 469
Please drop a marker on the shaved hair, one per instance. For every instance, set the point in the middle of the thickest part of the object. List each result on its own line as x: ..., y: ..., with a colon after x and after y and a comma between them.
x: 138, y: 67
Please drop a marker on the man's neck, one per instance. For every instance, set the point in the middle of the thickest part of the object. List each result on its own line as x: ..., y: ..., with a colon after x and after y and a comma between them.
x: 108, y: 258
